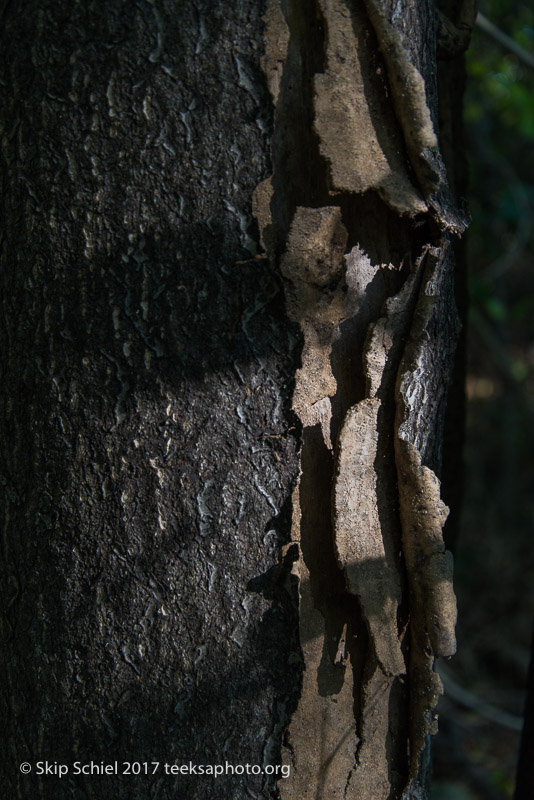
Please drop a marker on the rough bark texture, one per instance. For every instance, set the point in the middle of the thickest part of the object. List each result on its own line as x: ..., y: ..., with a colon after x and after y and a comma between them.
x: 227, y: 321
x: 357, y: 164
x: 146, y: 377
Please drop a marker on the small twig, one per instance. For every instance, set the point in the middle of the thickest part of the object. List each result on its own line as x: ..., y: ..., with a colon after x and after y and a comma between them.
x: 504, y: 40
x: 486, y: 710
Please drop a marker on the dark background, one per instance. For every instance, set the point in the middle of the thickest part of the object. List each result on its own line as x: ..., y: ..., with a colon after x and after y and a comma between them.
x: 476, y: 750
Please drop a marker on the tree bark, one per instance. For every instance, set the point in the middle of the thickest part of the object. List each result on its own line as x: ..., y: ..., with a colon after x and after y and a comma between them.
x: 228, y: 326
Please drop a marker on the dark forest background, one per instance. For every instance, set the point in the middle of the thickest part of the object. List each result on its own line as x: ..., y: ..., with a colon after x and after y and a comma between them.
x: 480, y: 717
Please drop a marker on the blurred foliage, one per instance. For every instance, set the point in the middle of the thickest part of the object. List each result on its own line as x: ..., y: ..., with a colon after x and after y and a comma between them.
x: 475, y: 759
x: 452, y: 791
x: 499, y: 119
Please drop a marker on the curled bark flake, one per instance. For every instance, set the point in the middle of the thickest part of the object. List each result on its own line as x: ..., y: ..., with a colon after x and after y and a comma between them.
x: 421, y: 393
x: 414, y: 114
x: 359, y: 138
x: 454, y: 36
x: 428, y: 564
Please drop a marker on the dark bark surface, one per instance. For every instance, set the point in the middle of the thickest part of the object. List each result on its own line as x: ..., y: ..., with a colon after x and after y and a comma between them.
x: 180, y: 401
x: 146, y: 374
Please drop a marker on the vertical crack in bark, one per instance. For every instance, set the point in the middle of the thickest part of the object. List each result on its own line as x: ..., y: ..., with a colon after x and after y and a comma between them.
x: 368, y: 536
x: 337, y: 216
x: 414, y: 109
x: 359, y: 140
x: 298, y: 178
x: 422, y: 383
x: 313, y: 266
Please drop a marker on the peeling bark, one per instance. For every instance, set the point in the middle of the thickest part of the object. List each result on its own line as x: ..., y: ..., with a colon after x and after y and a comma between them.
x: 379, y: 328
x: 229, y: 326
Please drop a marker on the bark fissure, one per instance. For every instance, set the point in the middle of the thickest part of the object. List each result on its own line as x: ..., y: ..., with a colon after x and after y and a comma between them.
x: 154, y: 401
x: 357, y: 285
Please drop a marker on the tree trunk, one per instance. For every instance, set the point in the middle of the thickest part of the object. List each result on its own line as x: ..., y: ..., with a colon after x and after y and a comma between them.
x: 228, y: 320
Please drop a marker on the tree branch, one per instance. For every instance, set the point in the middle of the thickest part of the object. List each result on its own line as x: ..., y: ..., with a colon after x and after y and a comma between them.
x: 504, y: 40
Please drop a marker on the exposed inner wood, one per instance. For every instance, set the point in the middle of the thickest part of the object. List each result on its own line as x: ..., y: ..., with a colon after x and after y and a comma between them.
x: 368, y: 507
